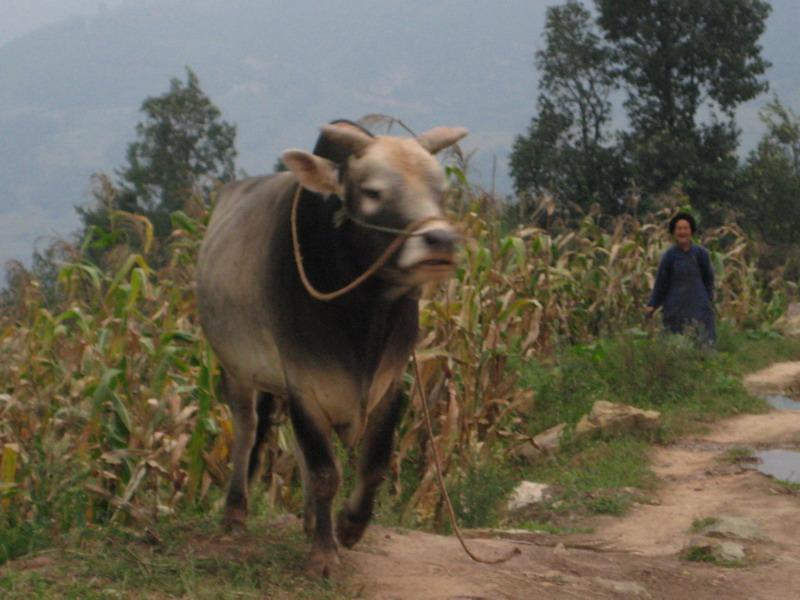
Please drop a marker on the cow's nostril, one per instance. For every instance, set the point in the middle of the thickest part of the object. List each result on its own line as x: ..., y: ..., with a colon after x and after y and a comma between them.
x: 440, y: 239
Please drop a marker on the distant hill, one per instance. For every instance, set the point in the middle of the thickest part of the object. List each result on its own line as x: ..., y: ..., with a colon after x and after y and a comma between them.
x: 70, y: 92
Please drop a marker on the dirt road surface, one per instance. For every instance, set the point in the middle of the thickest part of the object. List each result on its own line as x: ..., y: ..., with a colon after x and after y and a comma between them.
x: 635, y: 556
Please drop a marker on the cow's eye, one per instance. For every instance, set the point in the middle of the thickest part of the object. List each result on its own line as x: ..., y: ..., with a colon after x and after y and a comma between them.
x: 370, y: 193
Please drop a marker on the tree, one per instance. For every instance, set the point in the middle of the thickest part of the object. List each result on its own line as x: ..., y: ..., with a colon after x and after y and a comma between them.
x: 771, y: 179
x: 675, y: 58
x: 566, y: 151
x: 183, y: 149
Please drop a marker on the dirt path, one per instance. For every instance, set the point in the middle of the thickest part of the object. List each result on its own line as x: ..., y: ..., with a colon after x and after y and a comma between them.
x: 631, y: 557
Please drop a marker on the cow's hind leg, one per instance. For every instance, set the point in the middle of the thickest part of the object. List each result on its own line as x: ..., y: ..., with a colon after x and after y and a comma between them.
x: 245, y: 421
x: 376, y: 450
x: 313, y: 435
x: 266, y: 409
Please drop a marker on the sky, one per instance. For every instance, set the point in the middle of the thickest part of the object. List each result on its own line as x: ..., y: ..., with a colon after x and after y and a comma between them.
x: 19, y: 17
x: 107, y: 126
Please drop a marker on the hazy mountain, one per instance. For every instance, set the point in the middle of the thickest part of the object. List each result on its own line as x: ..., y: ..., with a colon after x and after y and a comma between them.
x: 70, y: 92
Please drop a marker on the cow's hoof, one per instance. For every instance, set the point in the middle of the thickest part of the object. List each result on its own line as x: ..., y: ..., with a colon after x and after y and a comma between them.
x: 348, y: 532
x: 321, y: 562
x: 235, y: 519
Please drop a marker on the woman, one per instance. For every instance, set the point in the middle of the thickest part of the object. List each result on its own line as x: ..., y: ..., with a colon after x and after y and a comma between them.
x: 685, y: 283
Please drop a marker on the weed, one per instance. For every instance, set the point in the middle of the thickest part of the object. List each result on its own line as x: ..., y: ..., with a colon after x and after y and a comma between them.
x: 736, y: 455
x: 791, y: 486
x: 706, y: 554
x: 594, y: 477
x: 688, y: 384
x: 701, y: 523
x: 700, y: 554
x: 191, y: 559
x: 478, y: 494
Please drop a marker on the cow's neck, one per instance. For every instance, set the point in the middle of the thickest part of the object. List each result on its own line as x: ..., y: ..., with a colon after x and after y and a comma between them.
x: 331, y: 263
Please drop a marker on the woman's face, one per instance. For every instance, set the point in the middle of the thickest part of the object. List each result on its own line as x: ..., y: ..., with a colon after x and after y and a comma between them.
x: 683, y: 232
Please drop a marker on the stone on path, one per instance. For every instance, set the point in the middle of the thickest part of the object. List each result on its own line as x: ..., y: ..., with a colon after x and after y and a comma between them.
x: 609, y: 417
x: 737, y: 528
x: 722, y: 551
x: 526, y: 494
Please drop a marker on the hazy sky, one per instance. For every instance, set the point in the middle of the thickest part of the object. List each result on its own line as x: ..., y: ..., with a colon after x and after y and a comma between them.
x: 70, y: 132
x: 18, y: 17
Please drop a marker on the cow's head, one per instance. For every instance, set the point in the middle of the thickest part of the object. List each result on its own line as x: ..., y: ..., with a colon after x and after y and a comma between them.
x: 388, y: 182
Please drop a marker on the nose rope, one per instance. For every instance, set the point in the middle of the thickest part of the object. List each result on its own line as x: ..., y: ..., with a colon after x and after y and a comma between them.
x: 402, y: 234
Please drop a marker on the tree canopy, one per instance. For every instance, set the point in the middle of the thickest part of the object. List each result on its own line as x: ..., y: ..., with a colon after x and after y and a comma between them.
x: 683, y: 66
x: 566, y: 150
x: 183, y: 148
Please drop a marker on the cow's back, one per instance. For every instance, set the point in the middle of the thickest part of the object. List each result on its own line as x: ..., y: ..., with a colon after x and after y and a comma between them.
x: 232, y: 272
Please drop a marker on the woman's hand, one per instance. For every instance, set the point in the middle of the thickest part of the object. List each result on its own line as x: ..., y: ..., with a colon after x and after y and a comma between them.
x: 649, y: 310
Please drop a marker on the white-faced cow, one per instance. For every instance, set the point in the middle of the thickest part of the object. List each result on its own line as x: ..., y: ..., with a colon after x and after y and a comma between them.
x: 338, y: 363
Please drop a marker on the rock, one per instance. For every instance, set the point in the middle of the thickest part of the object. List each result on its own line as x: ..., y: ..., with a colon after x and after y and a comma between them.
x: 703, y: 548
x: 535, y: 449
x: 737, y: 528
x: 550, y: 440
x: 608, y: 417
x: 731, y: 552
x: 526, y: 494
x: 789, y: 322
x: 624, y: 588
x: 526, y: 452
x: 711, y: 550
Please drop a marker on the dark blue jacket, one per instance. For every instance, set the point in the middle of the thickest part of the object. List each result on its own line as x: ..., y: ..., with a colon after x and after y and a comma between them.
x: 684, y: 287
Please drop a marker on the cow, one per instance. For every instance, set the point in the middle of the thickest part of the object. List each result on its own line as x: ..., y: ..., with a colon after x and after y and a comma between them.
x: 336, y: 365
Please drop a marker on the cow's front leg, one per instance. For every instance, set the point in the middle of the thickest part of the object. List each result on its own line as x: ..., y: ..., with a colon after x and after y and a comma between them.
x: 313, y: 433
x: 376, y: 450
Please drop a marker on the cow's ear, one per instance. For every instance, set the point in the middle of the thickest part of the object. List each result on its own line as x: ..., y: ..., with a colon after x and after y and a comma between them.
x: 440, y: 138
x: 313, y: 172
x: 349, y: 137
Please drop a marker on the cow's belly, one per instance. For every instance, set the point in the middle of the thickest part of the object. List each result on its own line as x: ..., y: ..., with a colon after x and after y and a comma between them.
x: 253, y: 360
x: 332, y: 393
x: 329, y: 391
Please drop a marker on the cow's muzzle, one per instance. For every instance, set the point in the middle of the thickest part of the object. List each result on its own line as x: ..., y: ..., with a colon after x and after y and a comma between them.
x: 431, y: 250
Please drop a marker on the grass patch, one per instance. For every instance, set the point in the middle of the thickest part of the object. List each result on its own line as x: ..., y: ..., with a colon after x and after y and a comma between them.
x: 594, y: 477
x: 751, y: 350
x: 699, y: 554
x: 736, y: 455
x: 791, y: 486
x: 706, y: 554
x: 689, y: 384
x: 701, y: 523
x: 186, y: 558
x: 478, y: 494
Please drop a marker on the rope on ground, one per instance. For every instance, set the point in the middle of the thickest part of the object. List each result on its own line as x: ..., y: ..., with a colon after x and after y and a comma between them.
x: 445, y: 496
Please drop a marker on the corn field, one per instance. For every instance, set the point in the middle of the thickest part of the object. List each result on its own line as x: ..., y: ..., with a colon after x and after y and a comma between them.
x: 108, y: 401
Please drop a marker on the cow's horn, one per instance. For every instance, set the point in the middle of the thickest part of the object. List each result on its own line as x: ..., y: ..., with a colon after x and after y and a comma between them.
x: 440, y: 138
x: 351, y: 138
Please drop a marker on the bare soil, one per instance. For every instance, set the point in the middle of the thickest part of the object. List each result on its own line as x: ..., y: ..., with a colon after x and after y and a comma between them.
x: 636, y: 556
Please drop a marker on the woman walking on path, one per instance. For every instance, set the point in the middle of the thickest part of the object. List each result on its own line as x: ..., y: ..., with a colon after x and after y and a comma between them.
x: 684, y: 285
